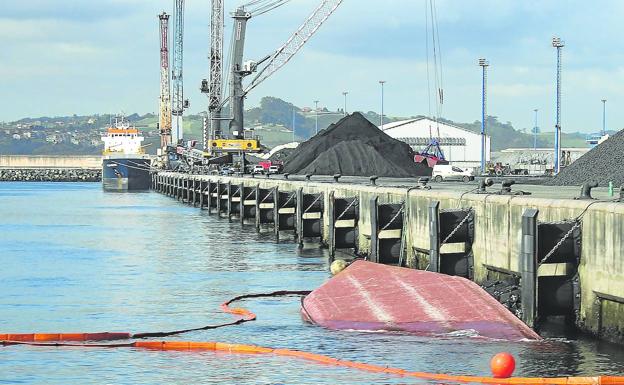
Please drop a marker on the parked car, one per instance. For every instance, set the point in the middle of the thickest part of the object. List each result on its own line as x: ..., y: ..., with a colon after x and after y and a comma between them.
x: 449, y: 172
x: 226, y: 171
x: 257, y: 169
x: 274, y: 170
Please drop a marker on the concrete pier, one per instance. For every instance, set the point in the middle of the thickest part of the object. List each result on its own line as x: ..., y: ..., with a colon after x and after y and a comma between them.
x: 572, y: 259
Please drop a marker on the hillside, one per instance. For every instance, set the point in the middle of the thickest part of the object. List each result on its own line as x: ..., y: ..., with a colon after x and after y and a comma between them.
x: 272, y: 120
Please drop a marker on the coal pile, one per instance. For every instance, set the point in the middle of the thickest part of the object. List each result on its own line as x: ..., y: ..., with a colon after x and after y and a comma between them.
x: 354, y: 146
x: 602, y: 164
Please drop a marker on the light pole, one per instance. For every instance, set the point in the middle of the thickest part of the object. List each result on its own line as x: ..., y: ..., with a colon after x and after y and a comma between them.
x: 483, y: 64
x: 345, y: 93
x: 293, y: 123
x: 604, y: 116
x: 316, y: 102
x: 558, y: 44
x: 382, y: 82
x: 535, y: 131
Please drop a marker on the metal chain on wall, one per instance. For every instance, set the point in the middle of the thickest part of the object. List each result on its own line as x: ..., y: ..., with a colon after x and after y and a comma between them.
x: 353, y: 202
x: 456, y: 229
x: 394, y: 218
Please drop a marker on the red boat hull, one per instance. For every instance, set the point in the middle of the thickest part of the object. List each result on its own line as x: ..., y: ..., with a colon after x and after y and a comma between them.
x: 370, y: 296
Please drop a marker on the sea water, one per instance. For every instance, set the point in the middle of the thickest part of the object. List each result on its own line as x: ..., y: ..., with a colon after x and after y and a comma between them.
x: 77, y: 259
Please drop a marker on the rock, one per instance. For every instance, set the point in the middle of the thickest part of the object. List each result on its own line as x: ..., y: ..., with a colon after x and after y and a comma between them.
x: 50, y: 175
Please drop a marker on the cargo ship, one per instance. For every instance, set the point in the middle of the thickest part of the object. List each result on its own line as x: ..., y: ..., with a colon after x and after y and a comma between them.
x: 125, y: 166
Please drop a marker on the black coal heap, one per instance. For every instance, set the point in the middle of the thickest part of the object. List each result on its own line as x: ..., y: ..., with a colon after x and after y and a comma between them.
x: 356, y: 147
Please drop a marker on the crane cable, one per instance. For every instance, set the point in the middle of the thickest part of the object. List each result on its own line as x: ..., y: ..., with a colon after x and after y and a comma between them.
x: 431, y: 21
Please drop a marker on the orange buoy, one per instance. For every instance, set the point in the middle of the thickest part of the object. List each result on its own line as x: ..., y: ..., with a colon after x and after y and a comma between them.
x: 502, y: 365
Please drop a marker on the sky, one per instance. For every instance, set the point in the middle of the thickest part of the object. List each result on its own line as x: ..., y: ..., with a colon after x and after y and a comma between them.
x: 63, y: 57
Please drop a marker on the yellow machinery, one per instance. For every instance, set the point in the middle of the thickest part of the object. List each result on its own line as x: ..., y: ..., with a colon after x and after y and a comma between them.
x: 234, y: 145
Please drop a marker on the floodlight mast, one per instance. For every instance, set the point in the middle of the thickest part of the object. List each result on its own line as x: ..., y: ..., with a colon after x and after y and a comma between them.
x: 558, y: 44
x: 483, y: 64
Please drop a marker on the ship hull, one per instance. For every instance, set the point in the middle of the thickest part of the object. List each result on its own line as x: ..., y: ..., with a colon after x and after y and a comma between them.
x: 126, y: 174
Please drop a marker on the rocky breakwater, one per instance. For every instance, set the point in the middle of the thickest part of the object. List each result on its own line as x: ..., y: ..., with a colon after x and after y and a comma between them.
x: 51, y: 175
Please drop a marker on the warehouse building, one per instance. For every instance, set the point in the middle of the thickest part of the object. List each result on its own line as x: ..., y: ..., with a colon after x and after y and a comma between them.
x: 460, y: 146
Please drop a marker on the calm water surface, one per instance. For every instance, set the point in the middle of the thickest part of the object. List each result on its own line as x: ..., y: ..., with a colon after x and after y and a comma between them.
x: 77, y: 259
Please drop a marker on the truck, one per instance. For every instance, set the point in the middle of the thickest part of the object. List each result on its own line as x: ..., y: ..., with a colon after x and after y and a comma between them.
x: 266, y: 164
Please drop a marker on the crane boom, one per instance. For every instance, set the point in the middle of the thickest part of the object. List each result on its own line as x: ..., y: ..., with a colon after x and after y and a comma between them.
x: 177, y: 97
x: 214, y: 86
x: 271, y: 63
x: 237, y: 94
x: 164, y: 118
x: 295, y: 42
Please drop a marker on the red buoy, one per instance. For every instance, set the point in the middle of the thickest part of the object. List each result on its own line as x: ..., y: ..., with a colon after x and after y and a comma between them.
x: 502, y: 365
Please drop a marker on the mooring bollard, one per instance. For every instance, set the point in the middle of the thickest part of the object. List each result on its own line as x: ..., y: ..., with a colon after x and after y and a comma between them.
x: 586, y: 190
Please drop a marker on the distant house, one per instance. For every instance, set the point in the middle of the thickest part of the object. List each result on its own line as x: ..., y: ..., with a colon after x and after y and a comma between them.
x: 26, y: 134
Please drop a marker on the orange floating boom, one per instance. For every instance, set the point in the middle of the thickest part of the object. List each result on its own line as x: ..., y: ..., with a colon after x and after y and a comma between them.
x: 319, y: 358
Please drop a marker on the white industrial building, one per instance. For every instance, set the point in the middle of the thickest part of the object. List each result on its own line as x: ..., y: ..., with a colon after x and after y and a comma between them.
x: 460, y: 146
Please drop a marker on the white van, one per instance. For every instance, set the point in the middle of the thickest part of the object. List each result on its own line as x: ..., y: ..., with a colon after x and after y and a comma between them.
x: 448, y: 172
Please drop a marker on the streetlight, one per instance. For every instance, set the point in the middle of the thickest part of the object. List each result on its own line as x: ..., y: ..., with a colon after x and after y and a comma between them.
x: 483, y: 64
x: 382, y: 82
x: 316, y: 102
x: 558, y: 44
x: 604, y: 114
x: 535, y: 131
x: 293, y: 123
x: 345, y: 93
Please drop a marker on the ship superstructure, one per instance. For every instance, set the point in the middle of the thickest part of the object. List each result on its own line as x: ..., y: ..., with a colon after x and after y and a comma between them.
x: 125, y: 166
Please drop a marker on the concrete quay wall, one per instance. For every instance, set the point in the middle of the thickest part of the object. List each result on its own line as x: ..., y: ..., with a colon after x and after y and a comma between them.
x: 50, y: 161
x: 497, y: 236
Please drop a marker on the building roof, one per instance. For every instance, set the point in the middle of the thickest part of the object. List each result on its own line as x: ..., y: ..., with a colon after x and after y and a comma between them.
x: 400, y: 123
